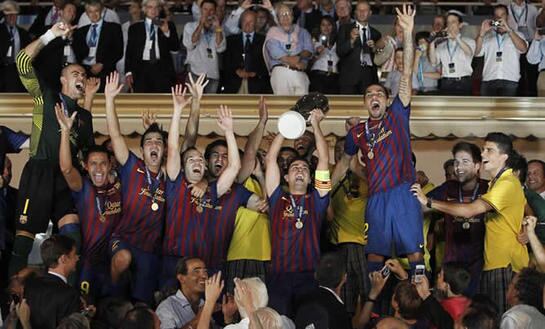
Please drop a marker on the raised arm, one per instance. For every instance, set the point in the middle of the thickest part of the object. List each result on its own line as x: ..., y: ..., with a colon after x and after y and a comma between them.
x: 91, y: 88
x: 322, y: 169
x: 272, y: 171
x: 71, y: 174
x: 228, y: 176
x: 537, y: 247
x: 111, y: 90
x: 179, y: 101
x: 254, y: 140
x: 196, y: 88
x: 406, y: 21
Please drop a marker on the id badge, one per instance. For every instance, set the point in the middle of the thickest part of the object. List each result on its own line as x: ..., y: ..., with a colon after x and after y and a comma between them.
x: 329, y: 66
x: 10, y: 52
x: 499, y: 56
x: 93, y: 52
x: 288, y: 46
x: 451, y: 68
x: 209, y: 52
x: 66, y: 51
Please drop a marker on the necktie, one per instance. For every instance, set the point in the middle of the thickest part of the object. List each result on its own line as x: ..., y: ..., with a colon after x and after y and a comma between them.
x: 152, y: 56
x: 94, y: 36
x: 364, y: 39
x: 247, y: 47
x: 54, y: 16
x: 12, y: 54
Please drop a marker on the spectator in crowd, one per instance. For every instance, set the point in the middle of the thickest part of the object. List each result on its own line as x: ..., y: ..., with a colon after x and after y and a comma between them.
x: 296, y: 217
x: 356, y: 49
x: 394, y: 77
x: 425, y: 75
x: 287, y: 50
x: 232, y: 25
x: 476, y: 318
x: 50, y: 297
x: 347, y: 230
x: 106, y: 14
x: 536, y: 56
x: 324, y: 76
x: 501, y: 48
x: 141, y: 317
x: 204, y: 41
x: 386, y: 50
x: 43, y: 192
x: 535, y: 243
x: 98, y: 45
x: 245, y: 71
x: 148, y: 63
x: 448, y: 168
x: 135, y: 15
x: 48, y: 16
x: 438, y: 25
x: 323, y: 307
x: 306, y: 16
x: 343, y: 11
x: 536, y: 177
x: 265, y: 19
x: 454, y: 58
x: 503, y: 254
x: 464, y: 237
x: 136, y: 236
x: 285, y: 157
x: 12, y: 39
x: 452, y: 281
x: 525, y: 295
x: 327, y: 8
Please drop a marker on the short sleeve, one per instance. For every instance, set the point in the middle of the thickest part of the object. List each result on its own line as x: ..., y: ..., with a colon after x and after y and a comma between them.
x: 350, y: 145
x: 243, y: 194
x: 499, y: 197
x: 126, y: 169
x: 275, y: 196
x: 439, y: 193
x: 397, y: 107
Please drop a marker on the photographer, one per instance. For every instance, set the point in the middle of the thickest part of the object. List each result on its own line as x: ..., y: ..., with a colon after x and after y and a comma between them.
x: 501, y: 48
x: 324, y: 76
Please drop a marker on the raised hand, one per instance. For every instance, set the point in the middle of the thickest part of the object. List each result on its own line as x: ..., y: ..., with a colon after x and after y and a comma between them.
x: 530, y: 222
x: 377, y: 284
x: 316, y: 116
x: 64, y: 121
x: 405, y: 17
x: 263, y: 110
x: 178, y: 97
x: 485, y: 27
x: 92, y: 85
x: 196, y: 88
x: 244, y: 295
x: 214, y: 286
x: 62, y: 29
x: 148, y: 118
x: 225, y: 119
x: 113, y: 87
x: 267, y: 4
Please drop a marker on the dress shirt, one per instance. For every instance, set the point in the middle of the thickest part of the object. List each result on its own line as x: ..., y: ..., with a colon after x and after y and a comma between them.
x: 175, y: 311
x: 197, y: 54
x: 522, y: 317
x: 60, y: 276
x: 277, y: 49
x: 420, y: 82
x: 147, y: 47
x: 509, y: 66
x: 462, y: 62
x: 16, y: 41
x: 328, y: 54
x: 108, y: 15
x: 536, y: 53
x: 53, y: 16
x: 523, y: 19
x: 91, y: 57
x: 244, y: 37
x: 334, y: 294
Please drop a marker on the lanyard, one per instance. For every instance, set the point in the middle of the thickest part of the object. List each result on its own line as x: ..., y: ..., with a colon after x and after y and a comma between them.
x: 289, y: 43
x: 451, y: 54
x: 299, y: 209
x: 500, y: 43
x: 64, y: 105
x: 473, y: 196
x: 420, y: 74
x: 153, y: 184
x: 524, y: 12
x: 372, y: 139
x: 208, y: 37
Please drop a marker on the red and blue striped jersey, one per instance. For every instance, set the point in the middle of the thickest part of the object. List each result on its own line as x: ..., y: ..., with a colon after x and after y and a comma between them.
x: 99, y: 210
x: 296, y: 249
x: 201, y: 227
x: 391, y: 164
x: 141, y: 226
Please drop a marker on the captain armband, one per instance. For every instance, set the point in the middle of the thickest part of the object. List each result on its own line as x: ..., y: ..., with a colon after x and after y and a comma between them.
x: 322, y: 180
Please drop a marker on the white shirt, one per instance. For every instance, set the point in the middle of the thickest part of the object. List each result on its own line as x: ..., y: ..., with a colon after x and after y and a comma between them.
x: 175, y: 311
x: 147, y: 46
x: 107, y: 15
x: 536, y: 54
x: 59, y: 276
x: 334, y: 294
x: 462, y: 62
x: 49, y: 17
x: 327, y: 54
x: 523, y: 18
x: 509, y: 66
x: 198, y: 55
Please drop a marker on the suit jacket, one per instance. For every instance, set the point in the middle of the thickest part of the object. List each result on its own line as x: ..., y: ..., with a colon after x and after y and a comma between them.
x: 110, y: 45
x: 322, y: 309
x: 135, y: 47
x: 312, y: 19
x: 50, y: 300
x: 233, y: 60
x: 349, y: 57
x: 24, y: 40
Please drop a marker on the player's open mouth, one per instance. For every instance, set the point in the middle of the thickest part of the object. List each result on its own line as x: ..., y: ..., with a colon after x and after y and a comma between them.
x: 196, y: 170
x: 79, y: 86
x: 153, y: 154
x: 299, y: 178
x: 375, y: 105
x: 218, y: 167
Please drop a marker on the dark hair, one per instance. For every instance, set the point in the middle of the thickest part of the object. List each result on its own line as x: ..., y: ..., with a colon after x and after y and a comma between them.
x: 333, y: 36
x: 469, y: 148
x: 211, y: 146
x: 460, y: 19
x: 518, y: 163
x: 153, y: 128
x: 421, y: 35
x: 377, y: 84
x: 94, y: 3
x: 74, y: 321
x: 331, y: 270
x: 408, y: 300
x: 540, y: 162
x: 288, y: 149
x: 476, y: 318
x: 457, y: 277
x: 209, y: 1
x: 504, y: 142
x: 504, y: 7
x: 398, y: 49
x: 96, y: 149
x: 184, y: 153
x: 110, y: 312
x: 529, y: 287
x: 66, y: 3
x: 483, y: 302
x: 448, y: 163
x: 181, y: 265
x: 54, y: 247
x: 299, y: 158
x: 140, y: 317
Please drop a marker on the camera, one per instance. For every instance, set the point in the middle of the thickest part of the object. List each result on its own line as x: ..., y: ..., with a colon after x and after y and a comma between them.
x: 385, y: 271
x: 323, y: 39
x: 438, y: 35
x: 495, y: 23
x: 419, y: 273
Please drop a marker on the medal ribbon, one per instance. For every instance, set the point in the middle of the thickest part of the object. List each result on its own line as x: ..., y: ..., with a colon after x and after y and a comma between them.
x: 153, y: 183
x: 299, y: 209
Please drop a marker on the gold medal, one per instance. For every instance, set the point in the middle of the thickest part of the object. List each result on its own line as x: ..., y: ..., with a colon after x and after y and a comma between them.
x: 199, y: 209
x: 370, y: 155
x: 299, y: 224
x: 154, y: 206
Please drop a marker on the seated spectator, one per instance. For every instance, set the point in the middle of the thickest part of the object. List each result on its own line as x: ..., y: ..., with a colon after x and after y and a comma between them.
x: 287, y: 50
x: 343, y: 11
x: 141, y: 317
x: 50, y: 297
x: 107, y: 14
x: 12, y: 39
x: 525, y: 295
x: 306, y: 16
x: 265, y: 19
x: 394, y: 77
x: 204, y: 41
x: 245, y: 71
x: 501, y: 48
x: 425, y: 75
x: 452, y: 281
x: 324, y: 76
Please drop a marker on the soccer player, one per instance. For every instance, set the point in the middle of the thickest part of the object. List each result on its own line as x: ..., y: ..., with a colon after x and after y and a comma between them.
x: 98, y: 201
x: 503, y: 206
x: 137, y: 237
x: 43, y: 193
x: 464, y: 237
x: 296, y: 218
x: 393, y: 215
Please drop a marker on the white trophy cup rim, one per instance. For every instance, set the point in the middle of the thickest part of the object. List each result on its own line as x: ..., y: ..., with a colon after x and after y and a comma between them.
x: 292, y: 125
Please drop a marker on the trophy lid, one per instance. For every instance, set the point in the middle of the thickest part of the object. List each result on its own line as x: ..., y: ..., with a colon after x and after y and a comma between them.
x: 311, y: 101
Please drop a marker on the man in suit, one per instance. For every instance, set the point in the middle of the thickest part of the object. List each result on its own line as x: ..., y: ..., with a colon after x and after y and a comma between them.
x: 12, y: 39
x: 244, y: 67
x: 99, y: 45
x: 50, y: 297
x: 306, y: 16
x: 148, y: 63
x: 323, y: 308
x: 356, y: 48
x: 46, y: 17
